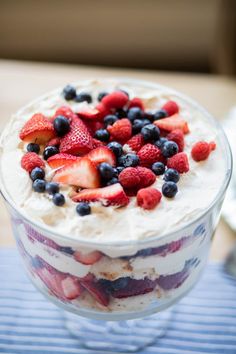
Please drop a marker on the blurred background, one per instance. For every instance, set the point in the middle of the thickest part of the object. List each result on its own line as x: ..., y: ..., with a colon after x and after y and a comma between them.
x: 179, y: 35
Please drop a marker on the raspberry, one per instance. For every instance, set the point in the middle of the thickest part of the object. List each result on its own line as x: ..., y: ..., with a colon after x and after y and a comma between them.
x: 136, y: 142
x: 129, y: 177
x: 178, y: 137
x: 171, y: 108
x: 103, y: 110
x: 148, y: 198
x: 31, y: 160
x: 201, y: 150
x: 136, y: 102
x: 179, y: 162
x: 64, y: 111
x: 116, y: 99
x: 149, y: 154
x: 121, y: 130
x: 147, y: 177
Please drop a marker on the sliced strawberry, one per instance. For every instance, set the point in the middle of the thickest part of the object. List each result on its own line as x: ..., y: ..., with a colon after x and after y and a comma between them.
x: 52, y: 281
x: 77, y: 141
x: 116, y: 99
x: 37, y: 129
x: 88, y: 258
x: 71, y: 287
x: 136, y: 102
x: 96, y: 290
x: 80, y: 173
x: 65, y: 111
x: 97, y: 143
x: 102, y: 154
x: 90, y: 114
x: 54, y: 142
x: 93, y: 125
x: 103, y: 110
x: 111, y: 195
x: 172, y: 123
x: 61, y: 159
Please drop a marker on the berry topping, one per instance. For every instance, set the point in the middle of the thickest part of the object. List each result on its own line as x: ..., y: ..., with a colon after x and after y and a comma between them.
x: 83, y: 96
x: 37, y: 173
x: 116, y: 99
x: 106, y: 171
x: 129, y: 177
x: 83, y: 209
x: 69, y: 92
x: 102, y: 135
x: 136, y: 102
x: 160, y: 114
x: 149, y: 154
x: 170, y: 148
x: 37, y: 129
x: 31, y: 160
x: 171, y: 175
x: 31, y: 147
x: 158, y: 168
x: 169, y: 189
x: 178, y: 137
x: 52, y: 187
x: 39, y: 185
x: 172, y: 123
x: 116, y: 148
x: 58, y: 199
x: 120, y: 130
x: 60, y: 160
x: 201, y: 150
x: 61, y: 125
x: 102, y: 154
x: 136, y: 142
x: 101, y: 95
x: 148, y: 198
x: 110, y: 119
x: 179, y: 162
x: 111, y: 195
x: 50, y: 151
x: 129, y: 160
x: 91, y: 257
x: 135, y: 113
x: 81, y: 173
x: 147, y: 177
x: 171, y: 108
x: 150, y: 132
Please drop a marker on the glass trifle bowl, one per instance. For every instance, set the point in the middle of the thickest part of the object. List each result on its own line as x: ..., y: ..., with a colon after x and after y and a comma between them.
x: 114, y: 271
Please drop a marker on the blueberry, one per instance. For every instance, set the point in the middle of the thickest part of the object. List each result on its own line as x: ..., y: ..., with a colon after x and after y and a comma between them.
x: 102, y: 135
x: 114, y: 180
x: 137, y: 126
x: 169, y: 149
x: 67, y: 250
x: 150, y: 132
x: 120, y: 283
x: 52, y: 187
x: 83, y: 96
x: 160, y: 114
x: 129, y: 160
x: 50, y: 151
x: 149, y: 116
x: 171, y: 175
x: 61, y: 125
x: 146, y: 122
x: 119, y: 169
x: 135, y: 113
x: 37, y: 173
x: 69, y: 92
x: 39, y: 185
x: 121, y: 113
x: 83, y: 209
x: 37, y: 263
x: 159, y: 143
x: 158, y: 168
x: 58, y: 199
x: 31, y: 147
x: 110, y: 119
x: 169, y: 189
x: 101, y: 95
x: 116, y: 148
x: 106, y: 171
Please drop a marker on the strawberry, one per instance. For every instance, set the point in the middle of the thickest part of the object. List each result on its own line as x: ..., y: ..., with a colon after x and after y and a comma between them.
x: 116, y: 99
x: 201, y: 150
x: 103, y: 110
x: 172, y: 123
x: 148, y: 198
x: 136, y: 102
x: 135, y: 287
x: 90, y: 114
x: 93, y: 125
x: 177, y: 136
x: 102, y: 154
x: 129, y: 177
x: 52, y: 281
x: 88, y: 258
x: 147, y: 177
x: 37, y: 129
x: 71, y: 287
x: 54, y: 142
x: 136, y: 142
x: 31, y: 160
x: 171, y: 108
x: 111, y: 195
x: 179, y: 162
x: 65, y: 111
x: 97, y: 143
x: 121, y: 130
x: 81, y: 173
x: 149, y: 154
x: 96, y: 290
x: 77, y: 141
x: 60, y: 160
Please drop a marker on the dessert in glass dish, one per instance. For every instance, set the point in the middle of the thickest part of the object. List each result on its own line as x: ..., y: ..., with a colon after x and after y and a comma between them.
x: 114, y: 188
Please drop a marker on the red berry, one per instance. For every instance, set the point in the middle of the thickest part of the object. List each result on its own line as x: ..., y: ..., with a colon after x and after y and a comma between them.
x: 129, y: 177
x: 178, y: 137
x: 60, y: 160
x: 136, y: 102
x: 116, y: 99
x: 149, y: 154
x: 65, y: 111
x: 136, y: 142
x: 172, y: 123
x: 201, y: 150
x: 171, y: 108
x: 147, y: 177
x: 121, y: 130
x: 148, y: 198
x: 103, y: 110
x: 54, y: 142
x: 102, y: 154
x: 179, y: 162
x: 97, y: 143
x: 37, y: 129
x: 87, y: 258
x: 31, y: 160
x: 90, y: 114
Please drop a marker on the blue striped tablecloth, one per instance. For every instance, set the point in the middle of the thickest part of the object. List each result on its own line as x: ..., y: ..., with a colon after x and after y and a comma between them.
x: 203, y: 322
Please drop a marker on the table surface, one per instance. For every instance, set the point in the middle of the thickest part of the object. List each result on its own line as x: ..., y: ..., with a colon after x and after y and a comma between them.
x: 20, y: 82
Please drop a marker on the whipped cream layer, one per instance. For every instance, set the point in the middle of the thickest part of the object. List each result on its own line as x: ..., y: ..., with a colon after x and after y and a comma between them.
x: 197, y: 188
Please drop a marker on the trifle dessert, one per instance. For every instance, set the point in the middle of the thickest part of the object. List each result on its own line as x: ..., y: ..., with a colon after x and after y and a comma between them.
x: 114, y: 189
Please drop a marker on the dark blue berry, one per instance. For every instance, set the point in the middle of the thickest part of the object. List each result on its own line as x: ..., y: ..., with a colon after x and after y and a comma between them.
x: 101, y: 95
x: 37, y: 263
x: 149, y: 116
x: 31, y: 147
x: 160, y: 114
x: 83, y: 96
x: 58, y: 199
x: 146, y: 122
x: 137, y: 126
x: 116, y: 148
x: 50, y: 151
x: 110, y: 119
x: 83, y: 209
x: 169, y: 189
x: 67, y: 250
x: 114, y: 180
x: 171, y: 175
x: 106, y: 171
x: 61, y: 125
x: 129, y: 160
x: 170, y: 148
x: 120, y: 283
x: 119, y: 169
x: 158, y: 168
x: 159, y: 143
x: 135, y: 113
x: 39, y: 185
x: 121, y: 113
x: 102, y: 135
x: 144, y: 253
x: 52, y: 187
x: 69, y: 92
x: 37, y: 173
x: 150, y: 132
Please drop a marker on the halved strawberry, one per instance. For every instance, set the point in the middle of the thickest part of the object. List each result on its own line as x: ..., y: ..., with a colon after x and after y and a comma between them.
x: 77, y: 141
x: 37, y: 129
x: 54, y: 142
x: 80, y: 173
x: 87, y: 258
x: 61, y: 159
x: 102, y: 154
x: 71, y: 287
x: 93, y: 125
x: 52, y: 281
x: 97, y: 143
x: 103, y: 110
x: 96, y: 290
x: 172, y: 123
x: 111, y: 195
x: 90, y: 114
